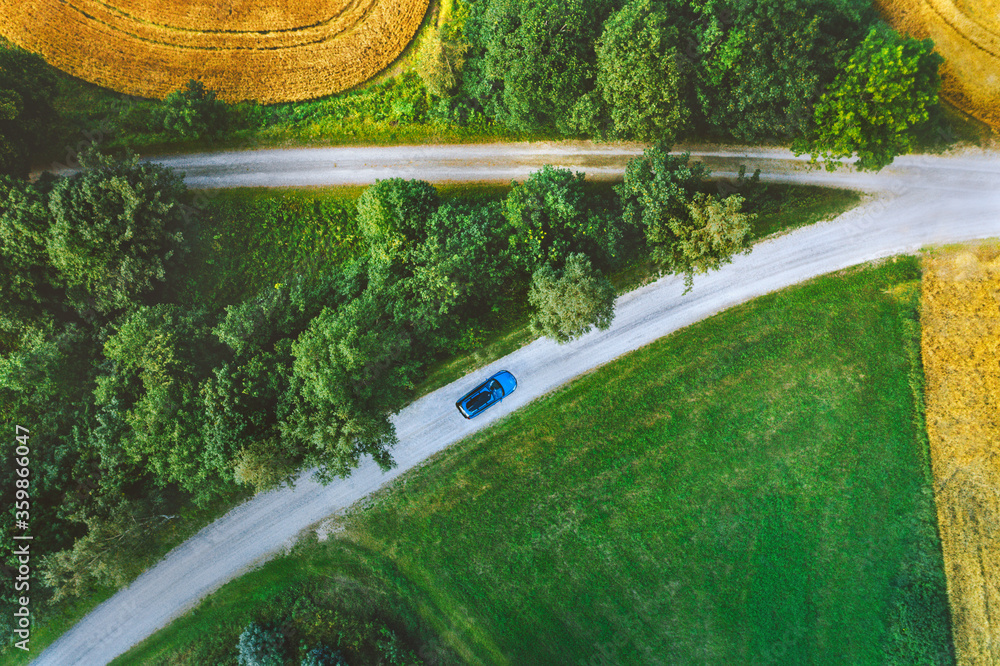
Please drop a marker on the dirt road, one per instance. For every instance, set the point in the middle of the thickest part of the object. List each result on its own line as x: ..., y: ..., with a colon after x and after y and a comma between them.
x: 916, y: 202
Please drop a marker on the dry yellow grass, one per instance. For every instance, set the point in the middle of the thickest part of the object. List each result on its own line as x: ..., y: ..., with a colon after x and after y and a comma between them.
x: 961, y: 355
x: 967, y: 34
x: 267, y: 50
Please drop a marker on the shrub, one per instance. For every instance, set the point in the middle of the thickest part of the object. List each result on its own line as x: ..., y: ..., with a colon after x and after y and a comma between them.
x: 261, y: 645
x: 193, y: 112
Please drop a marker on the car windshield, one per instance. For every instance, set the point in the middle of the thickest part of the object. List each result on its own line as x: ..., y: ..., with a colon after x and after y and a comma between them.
x: 495, y: 386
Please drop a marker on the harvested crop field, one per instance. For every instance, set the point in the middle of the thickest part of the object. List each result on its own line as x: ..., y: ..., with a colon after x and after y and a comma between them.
x: 265, y: 50
x: 967, y: 34
x: 961, y: 353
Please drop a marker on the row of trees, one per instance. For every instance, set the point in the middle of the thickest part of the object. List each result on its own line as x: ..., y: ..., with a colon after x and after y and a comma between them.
x: 823, y: 73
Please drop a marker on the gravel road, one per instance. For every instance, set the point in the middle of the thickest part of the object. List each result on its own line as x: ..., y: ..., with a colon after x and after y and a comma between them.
x: 918, y: 201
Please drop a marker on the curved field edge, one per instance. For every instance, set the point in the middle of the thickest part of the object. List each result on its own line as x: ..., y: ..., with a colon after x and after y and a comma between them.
x: 971, y: 49
x: 144, y: 59
x: 750, y: 489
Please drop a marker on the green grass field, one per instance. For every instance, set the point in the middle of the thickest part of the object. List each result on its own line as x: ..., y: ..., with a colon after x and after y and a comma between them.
x: 751, y: 489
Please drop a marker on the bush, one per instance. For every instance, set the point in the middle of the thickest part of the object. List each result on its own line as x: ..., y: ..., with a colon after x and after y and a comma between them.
x: 193, y: 113
x: 261, y: 645
x: 569, y: 302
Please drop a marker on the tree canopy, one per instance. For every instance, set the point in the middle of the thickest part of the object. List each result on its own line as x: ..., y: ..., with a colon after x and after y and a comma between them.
x: 27, y: 89
x: 767, y: 62
x: 639, y: 74
x: 351, y: 369
x: 535, y: 67
x: 568, y: 302
x: 193, y: 112
x: 882, y: 96
x: 116, y: 228
x: 393, y: 213
x: 704, y: 238
x: 550, y: 217
x: 658, y: 185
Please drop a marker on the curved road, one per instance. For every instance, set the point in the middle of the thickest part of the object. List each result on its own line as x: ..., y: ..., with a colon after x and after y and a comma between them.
x: 920, y: 200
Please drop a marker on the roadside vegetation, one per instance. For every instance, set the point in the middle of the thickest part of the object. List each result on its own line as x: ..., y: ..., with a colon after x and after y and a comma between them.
x: 172, y: 351
x: 824, y: 76
x: 751, y: 489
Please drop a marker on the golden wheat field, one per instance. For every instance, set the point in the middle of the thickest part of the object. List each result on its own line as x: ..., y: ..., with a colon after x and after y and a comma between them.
x: 265, y: 50
x: 967, y: 34
x: 961, y: 354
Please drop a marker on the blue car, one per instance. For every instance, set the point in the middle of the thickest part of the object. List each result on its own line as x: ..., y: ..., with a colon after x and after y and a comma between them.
x: 487, y: 394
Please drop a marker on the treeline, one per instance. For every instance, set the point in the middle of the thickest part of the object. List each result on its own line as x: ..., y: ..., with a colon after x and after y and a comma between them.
x: 140, y: 400
x: 824, y: 74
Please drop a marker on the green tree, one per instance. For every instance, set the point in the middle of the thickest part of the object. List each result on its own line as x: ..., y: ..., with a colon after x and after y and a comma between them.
x: 117, y: 227
x: 193, y: 112
x: 27, y: 88
x: 569, y: 302
x: 261, y: 645
x: 658, y: 185
x: 29, y: 283
x: 264, y: 464
x: 638, y: 73
x: 459, y: 268
x: 879, y: 101
x: 45, y: 383
x: 536, y: 61
x: 443, y: 52
x: 352, y: 368
x: 110, y: 553
x: 703, y: 239
x: 762, y: 64
x: 393, y: 213
x: 158, y: 356
x: 239, y: 404
x: 551, y: 217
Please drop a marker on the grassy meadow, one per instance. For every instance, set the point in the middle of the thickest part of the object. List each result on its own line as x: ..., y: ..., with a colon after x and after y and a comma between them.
x: 751, y: 489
